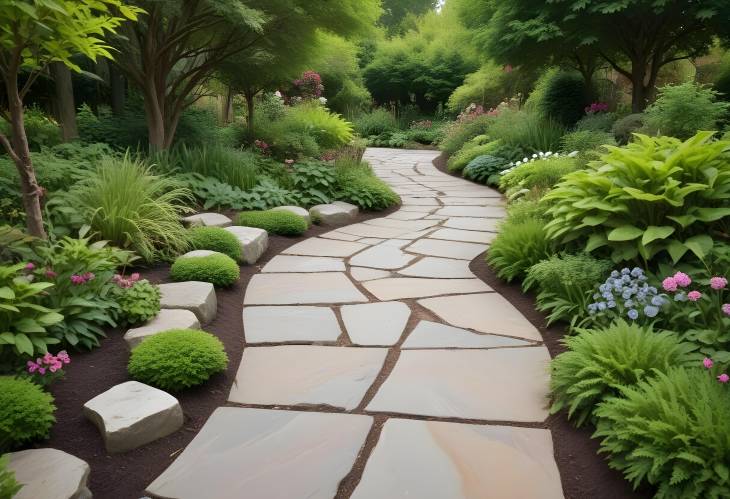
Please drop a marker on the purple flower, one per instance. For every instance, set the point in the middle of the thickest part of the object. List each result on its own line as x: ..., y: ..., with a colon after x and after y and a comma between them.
x: 726, y: 308
x: 77, y: 279
x: 718, y: 283
x: 723, y: 378
x: 30, y: 266
x: 51, y: 274
x: 669, y: 284
x: 682, y: 279
x: 708, y: 363
x: 694, y: 295
x: 633, y: 314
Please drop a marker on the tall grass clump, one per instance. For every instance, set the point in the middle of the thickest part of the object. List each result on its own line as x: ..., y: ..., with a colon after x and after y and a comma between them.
x: 527, y: 130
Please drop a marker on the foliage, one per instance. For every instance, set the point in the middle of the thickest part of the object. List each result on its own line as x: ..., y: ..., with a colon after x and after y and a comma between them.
x: 42, y: 130
x: 670, y: 431
x: 524, y: 209
x: 654, y: 195
x: 459, y: 133
x: 177, y: 359
x: 329, y: 130
x: 26, y: 412
x: 468, y: 153
x: 624, y: 128
x: 681, y: 110
x: 217, y: 269
x: 540, y: 174
x: 375, y: 122
x: 358, y: 185
x: 16, y: 245
x: 8, y: 485
x: 485, y: 169
x: 139, y: 302
x: 600, y: 363
x: 490, y: 85
x: 585, y: 141
x: 561, y: 96
x: 596, y: 122
x: 215, y: 239
x: 527, y: 130
x: 315, y: 182
x: 517, y: 247
x: 282, y: 222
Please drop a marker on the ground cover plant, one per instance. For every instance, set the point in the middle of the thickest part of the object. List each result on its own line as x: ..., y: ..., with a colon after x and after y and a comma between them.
x: 217, y: 269
x: 274, y: 222
x: 215, y: 239
x: 26, y: 412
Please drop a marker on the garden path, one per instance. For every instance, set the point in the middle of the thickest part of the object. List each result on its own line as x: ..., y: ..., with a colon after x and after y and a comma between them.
x: 377, y: 366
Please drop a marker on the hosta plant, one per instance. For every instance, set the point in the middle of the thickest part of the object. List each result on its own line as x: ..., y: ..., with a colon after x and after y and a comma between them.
x: 315, y: 181
x: 658, y: 195
x: 485, y: 169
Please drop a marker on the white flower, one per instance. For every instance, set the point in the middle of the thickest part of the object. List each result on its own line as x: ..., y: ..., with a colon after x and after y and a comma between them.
x: 278, y: 94
x: 323, y: 100
x: 573, y: 154
x: 534, y: 155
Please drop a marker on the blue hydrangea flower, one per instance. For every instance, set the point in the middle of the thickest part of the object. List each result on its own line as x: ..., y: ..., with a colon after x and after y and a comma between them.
x: 629, y: 303
x: 633, y: 314
x: 625, y: 271
x: 636, y: 272
x: 611, y: 304
x: 614, y: 274
x: 658, y: 301
x: 680, y: 297
x: 651, y: 311
x: 601, y: 306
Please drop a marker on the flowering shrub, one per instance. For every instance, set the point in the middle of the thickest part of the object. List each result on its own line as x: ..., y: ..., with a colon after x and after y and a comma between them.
x: 139, y: 301
x: 262, y: 147
x: 626, y: 294
x: 708, y: 363
x: 47, y: 369
x: 596, y: 107
x: 309, y: 85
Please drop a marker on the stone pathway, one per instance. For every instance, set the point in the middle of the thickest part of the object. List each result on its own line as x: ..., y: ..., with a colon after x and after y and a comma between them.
x: 378, y: 367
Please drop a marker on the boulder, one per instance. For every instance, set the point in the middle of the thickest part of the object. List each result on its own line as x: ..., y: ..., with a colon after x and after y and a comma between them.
x: 199, y: 253
x: 50, y: 474
x: 331, y: 214
x: 351, y: 209
x: 166, y: 319
x: 297, y: 210
x: 253, y: 241
x: 196, y: 296
x: 208, y: 220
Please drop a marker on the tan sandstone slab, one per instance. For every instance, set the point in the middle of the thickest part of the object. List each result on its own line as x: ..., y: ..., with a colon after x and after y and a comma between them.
x: 365, y: 230
x: 487, y: 313
x: 304, y: 374
x: 429, y: 334
x: 296, y: 263
x: 466, y: 223
x: 324, y: 247
x: 507, y: 384
x: 437, y: 460
x: 447, y: 249
x: 473, y: 211
x: 411, y: 226
x: 397, y: 288
x: 431, y: 266
x: 296, y: 288
x: 470, y: 236
x: 382, y: 256
x: 265, y: 454
x: 333, y: 234
x: 49, y: 474
x: 363, y: 274
x: 375, y: 323
x: 290, y: 324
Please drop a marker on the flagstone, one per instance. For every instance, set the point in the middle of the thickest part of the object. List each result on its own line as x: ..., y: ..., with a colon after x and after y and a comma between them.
x: 439, y: 268
x: 324, y: 247
x: 365, y: 274
x: 254, y: 242
x: 371, y: 240
x: 294, y: 263
x: 339, y: 236
x: 471, y: 236
x: 365, y: 230
x: 473, y: 211
x: 466, y: 223
x: 165, y: 320
x: 406, y: 215
x: 382, y: 257
x: 375, y: 323
x: 429, y: 334
x: 208, y: 220
x: 290, y: 324
x: 48, y: 474
x: 408, y: 225
x: 397, y: 288
x: 447, y: 249
x: 296, y: 288
x: 195, y: 296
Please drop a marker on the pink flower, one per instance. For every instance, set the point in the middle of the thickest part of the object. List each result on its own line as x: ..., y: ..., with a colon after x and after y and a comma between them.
x: 41, y: 370
x: 29, y: 266
x: 88, y: 276
x: 32, y: 366
x: 682, y: 279
x: 134, y: 277
x: 51, y: 274
x: 289, y: 161
x: 77, y: 279
x: 718, y: 283
x: 723, y: 378
x: 726, y: 308
x: 707, y: 362
x: 694, y: 295
x: 48, y: 358
x: 63, y: 357
x: 669, y: 284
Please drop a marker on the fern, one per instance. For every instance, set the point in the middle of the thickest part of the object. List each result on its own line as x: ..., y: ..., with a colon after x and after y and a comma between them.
x: 517, y: 247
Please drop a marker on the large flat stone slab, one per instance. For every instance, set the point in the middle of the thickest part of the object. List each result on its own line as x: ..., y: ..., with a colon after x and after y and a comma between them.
x: 49, y: 474
x: 290, y: 324
x: 332, y: 214
x: 133, y: 414
x: 198, y: 297
x: 465, y: 223
x: 297, y: 210
x: 375, y: 323
x: 382, y: 256
x: 208, y: 220
x: 294, y: 289
x: 295, y: 263
x: 303, y: 374
x: 470, y: 236
x: 447, y: 249
x: 437, y: 460
x: 397, y: 288
x: 486, y: 313
x: 473, y: 211
x: 341, y: 236
x: 316, y: 246
x: 254, y: 242
x: 411, y: 226
x: 507, y: 384
x: 364, y: 274
x: 167, y: 319
x: 366, y: 230
x: 439, y: 268
x: 429, y: 334
x: 265, y: 454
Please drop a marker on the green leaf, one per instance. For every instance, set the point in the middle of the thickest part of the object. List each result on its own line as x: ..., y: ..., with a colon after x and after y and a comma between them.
x: 595, y: 241
x: 676, y: 250
x: 594, y: 220
x: 23, y: 344
x: 7, y: 338
x: 654, y: 232
x: 700, y: 245
x: 625, y: 233
x: 28, y: 325
x: 7, y: 293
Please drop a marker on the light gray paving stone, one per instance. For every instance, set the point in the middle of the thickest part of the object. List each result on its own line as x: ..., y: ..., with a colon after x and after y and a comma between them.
x: 340, y: 236
x: 199, y: 253
x: 167, y: 319
x: 375, y: 323
x: 407, y: 215
x: 49, y: 474
x: 464, y: 201
x: 408, y: 225
x: 447, y: 249
x: 470, y: 236
x: 372, y: 240
x: 254, y: 242
x: 350, y: 208
x: 325, y: 247
x: 198, y: 297
x: 504, y: 384
x: 331, y: 214
x: 398, y: 288
x: 365, y: 274
x: 365, y: 230
x: 208, y: 220
x: 436, y: 460
x: 413, y: 201
x: 297, y: 210
x: 133, y: 414
x: 431, y: 266
x: 265, y: 454
x: 304, y: 374
x: 466, y: 223
x: 487, y: 313
x: 382, y: 257
x: 294, y: 289
x: 296, y: 263
x: 429, y: 334
x: 473, y: 211
x: 290, y: 324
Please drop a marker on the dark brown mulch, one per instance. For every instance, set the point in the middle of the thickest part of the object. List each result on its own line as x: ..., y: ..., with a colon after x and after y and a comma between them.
x: 584, y: 473
x: 125, y: 476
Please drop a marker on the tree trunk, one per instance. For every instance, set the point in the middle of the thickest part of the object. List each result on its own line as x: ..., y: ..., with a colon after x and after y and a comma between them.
x: 118, y: 89
x: 639, y: 89
x: 65, y: 101
x: 228, y: 106
x: 154, y: 113
x: 249, y: 115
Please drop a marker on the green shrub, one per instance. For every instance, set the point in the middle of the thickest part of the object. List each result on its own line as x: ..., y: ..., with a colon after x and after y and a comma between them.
x: 215, y: 239
x: 671, y: 431
x: 26, y: 412
x: 41, y: 130
x: 375, y: 122
x: 517, y: 247
x: 315, y: 181
x: 8, y: 485
x: 561, y: 96
x: 283, y: 223
x: 459, y: 133
x: 358, y: 185
x: 485, y: 169
x: 624, y: 128
x: 177, y: 359
x: 540, y: 174
x: 470, y: 151
x: 599, y: 363
x: 139, y: 303
x: 217, y: 269
x: 524, y: 209
x: 654, y: 195
x: 329, y: 130
x: 681, y: 110
x: 585, y: 141
x: 596, y: 122
x: 529, y: 131
x: 565, y: 284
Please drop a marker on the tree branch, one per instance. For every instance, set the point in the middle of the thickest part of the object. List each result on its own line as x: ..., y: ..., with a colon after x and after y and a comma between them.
x: 9, y: 148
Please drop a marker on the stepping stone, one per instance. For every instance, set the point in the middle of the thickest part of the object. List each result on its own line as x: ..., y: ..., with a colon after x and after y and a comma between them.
x: 470, y: 236
x: 265, y: 454
x: 406, y: 215
x: 486, y: 313
x: 331, y: 214
x: 291, y: 263
x: 167, y: 319
x: 254, y: 242
x: 325, y: 247
x: 436, y: 460
x: 49, y: 474
x: 397, y: 288
x: 372, y: 240
x: 447, y: 249
x: 429, y: 334
x: 351, y: 209
x: 303, y: 374
x: 411, y: 226
x: 297, y: 210
x: 484, y: 224
x: 411, y: 201
x: 465, y: 201
x: 363, y: 274
x: 198, y: 297
x: 473, y: 211
x: 133, y: 414
x: 333, y: 234
x: 289, y: 324
x: 438, y: 267
x: 365, y: 230
x: 295, y: 288
x: 199, y: 254
x: 507, y: 384
x: 208, y: 220
x: 375, y: 323
x: 382, y: 256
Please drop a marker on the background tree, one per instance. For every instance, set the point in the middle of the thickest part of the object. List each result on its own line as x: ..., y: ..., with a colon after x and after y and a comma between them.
x: 35, y: 34
x: 396, y: 11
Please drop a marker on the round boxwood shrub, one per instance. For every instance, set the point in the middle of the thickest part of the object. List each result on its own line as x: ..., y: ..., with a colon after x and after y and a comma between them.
x: 177, y: 359
x: 139, y: 303
x: 215, y: 239
x: 218, y: 269
x: 26, y: 412
x: 283, y: 223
